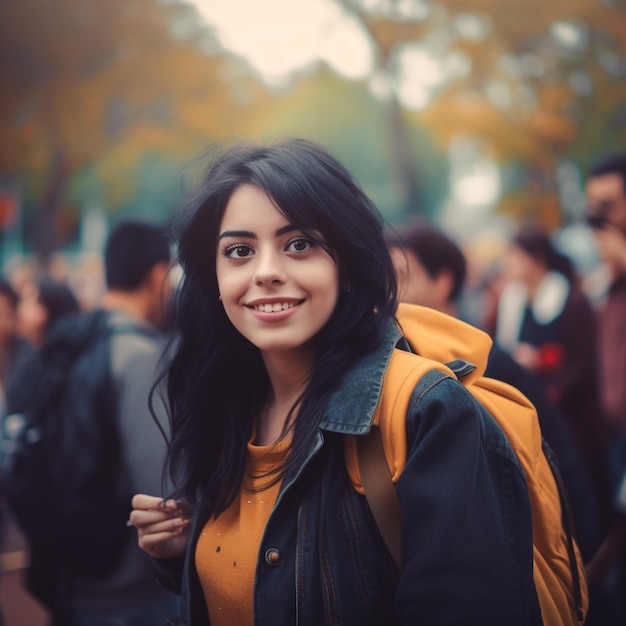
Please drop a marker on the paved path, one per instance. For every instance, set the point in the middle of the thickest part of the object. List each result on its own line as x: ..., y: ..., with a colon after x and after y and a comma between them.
x: 18, y: 607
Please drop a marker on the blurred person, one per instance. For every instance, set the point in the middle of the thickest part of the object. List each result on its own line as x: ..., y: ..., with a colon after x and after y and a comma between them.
x: 606, y: 191
x: 538, y: 299
x: 137, y: 260
x: 41, y: 304
x: 113, y: 376
x: 606, y: 194
x: 547, y: 323
x: 431, y: 270
x: 540, y: 313
x: 12, y: 349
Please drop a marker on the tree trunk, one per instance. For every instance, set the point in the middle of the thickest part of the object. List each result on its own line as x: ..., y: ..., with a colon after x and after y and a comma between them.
x: 45, y: 235
x: 405, y: 162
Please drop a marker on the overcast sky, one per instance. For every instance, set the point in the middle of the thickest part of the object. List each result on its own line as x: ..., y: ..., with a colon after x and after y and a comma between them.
x: 280, y: 36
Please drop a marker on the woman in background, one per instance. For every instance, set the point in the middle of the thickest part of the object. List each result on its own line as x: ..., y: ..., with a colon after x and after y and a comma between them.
x: 547, y: 323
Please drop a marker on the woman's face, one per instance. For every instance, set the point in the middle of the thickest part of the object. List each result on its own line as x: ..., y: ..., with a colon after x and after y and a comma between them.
x: 278, y: 287
x: 519, y: 265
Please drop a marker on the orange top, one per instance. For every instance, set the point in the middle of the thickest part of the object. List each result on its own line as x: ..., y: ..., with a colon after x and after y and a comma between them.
x: 227, y: 550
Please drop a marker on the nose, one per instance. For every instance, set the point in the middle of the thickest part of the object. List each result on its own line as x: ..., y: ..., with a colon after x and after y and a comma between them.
x: 269, y: 268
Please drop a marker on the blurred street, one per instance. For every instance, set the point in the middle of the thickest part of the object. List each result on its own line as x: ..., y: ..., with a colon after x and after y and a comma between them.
x: 17, y: 605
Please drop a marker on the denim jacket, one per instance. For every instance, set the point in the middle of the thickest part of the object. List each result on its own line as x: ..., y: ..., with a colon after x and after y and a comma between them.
x: 467, y: 554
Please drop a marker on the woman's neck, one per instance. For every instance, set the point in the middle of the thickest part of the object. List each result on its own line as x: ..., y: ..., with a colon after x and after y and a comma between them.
x: 289, y: 375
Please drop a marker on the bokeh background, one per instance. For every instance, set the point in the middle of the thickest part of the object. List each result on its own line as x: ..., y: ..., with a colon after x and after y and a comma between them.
x: 473, y: 113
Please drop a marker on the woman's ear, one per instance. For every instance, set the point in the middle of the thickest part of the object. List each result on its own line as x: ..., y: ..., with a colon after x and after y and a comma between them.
x: 443, y: 284
x: 158, y: 276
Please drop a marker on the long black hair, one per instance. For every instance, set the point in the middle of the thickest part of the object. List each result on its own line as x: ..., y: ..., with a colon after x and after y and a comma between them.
x: 216, y: 380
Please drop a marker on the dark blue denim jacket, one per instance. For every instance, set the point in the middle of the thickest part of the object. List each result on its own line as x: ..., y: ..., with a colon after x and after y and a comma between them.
x: 467, y: 556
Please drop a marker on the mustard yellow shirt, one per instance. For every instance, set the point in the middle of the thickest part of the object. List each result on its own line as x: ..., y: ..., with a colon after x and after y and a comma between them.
x: 227, y: 550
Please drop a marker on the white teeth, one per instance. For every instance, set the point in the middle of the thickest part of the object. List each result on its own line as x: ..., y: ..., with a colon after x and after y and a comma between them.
x: 273, y: 308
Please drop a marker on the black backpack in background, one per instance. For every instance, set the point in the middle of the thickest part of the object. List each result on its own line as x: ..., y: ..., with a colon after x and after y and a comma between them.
x: 60, y: 458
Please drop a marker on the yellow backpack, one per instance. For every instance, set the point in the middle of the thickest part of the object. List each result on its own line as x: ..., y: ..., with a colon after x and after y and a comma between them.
x: 435, y: 339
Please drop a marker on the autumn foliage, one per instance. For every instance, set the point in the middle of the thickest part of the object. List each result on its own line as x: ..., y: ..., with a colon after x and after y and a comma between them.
x: 96, y: 94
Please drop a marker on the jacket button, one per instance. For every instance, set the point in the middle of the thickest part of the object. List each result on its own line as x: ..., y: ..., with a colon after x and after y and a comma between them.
x: 272, y: 557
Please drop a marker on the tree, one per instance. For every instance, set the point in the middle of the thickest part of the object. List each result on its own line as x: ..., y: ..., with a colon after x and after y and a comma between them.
x: 530, y: 79
x: 98, y: 87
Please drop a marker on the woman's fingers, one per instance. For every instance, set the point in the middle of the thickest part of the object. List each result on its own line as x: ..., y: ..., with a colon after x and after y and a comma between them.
x: 162, y: 525
x: 147, y: 503
x: 165, y: 540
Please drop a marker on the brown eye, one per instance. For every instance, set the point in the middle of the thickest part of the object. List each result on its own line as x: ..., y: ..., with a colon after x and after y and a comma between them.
x: 300, y: 244
x: 238, y: 251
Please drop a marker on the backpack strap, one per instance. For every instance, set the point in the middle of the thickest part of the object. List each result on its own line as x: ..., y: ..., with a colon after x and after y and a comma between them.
x: 380, y: 491
x: 568, y: 527
x: 375, y: 470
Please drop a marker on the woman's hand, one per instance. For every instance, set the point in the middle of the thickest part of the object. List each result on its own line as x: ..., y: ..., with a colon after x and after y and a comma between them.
x: 527, y: 356
x: 162, y: 525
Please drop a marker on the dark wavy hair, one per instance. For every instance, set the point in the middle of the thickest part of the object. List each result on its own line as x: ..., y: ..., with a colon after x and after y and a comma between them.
x: 216, y: 382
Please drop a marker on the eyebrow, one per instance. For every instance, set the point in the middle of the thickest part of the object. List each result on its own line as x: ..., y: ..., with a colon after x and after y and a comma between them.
x: 248, y: 234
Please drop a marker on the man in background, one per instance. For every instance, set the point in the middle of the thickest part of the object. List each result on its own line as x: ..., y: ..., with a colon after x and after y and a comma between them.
x: 606, y: 214
x: 606, y: 193
x: 137, y: 260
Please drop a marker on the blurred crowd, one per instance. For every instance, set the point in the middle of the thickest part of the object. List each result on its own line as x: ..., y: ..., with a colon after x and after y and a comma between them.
x: 560, y: 337
x: 109, y: 396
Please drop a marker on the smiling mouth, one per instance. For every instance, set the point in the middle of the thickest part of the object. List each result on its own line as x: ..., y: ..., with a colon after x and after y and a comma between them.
x: 275, y: 307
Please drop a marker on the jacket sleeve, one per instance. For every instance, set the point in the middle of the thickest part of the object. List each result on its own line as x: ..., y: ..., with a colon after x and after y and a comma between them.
x: 467, y: 554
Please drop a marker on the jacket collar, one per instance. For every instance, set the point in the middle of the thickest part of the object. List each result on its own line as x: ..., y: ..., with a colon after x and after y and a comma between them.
x: 352, y: 406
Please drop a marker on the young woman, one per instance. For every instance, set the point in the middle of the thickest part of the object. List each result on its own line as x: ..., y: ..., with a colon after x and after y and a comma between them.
x: 286, y: 319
